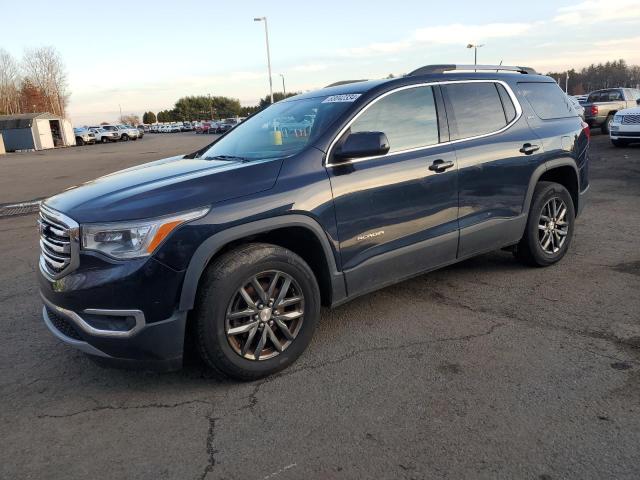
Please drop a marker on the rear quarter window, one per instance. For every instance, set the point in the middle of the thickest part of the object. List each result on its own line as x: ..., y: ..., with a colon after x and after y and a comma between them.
x: 547, y: 100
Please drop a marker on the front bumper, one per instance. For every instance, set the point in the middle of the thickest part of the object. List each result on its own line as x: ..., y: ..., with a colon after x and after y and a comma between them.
x: 158, y: 346
x: 121, y: 311
x: 621, y: 131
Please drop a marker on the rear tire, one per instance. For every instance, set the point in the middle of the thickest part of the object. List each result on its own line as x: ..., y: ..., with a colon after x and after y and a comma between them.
x: 550, y: 226
x: 220, y: 298
x: 104, y: 140
x: 620, y: 143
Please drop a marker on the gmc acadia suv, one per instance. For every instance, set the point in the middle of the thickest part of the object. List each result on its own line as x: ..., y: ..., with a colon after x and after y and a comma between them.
x: 240, y: 243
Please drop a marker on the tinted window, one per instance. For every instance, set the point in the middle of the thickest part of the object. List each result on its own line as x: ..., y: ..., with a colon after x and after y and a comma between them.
x: 507, y: 103
x: 605, y: 96
x: 408, y: 118
x: 547, y: 100
x: 476, y: 108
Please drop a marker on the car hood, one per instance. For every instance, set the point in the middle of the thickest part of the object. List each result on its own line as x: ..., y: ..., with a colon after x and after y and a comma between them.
x: 164, y: 187
x: 630, y: 111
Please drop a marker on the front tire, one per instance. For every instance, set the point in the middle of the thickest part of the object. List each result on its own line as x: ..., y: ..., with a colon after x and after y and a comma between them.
x: 550, y: 226
x: 79, y: 141
x: 124, y: 138
x: 257, y: 308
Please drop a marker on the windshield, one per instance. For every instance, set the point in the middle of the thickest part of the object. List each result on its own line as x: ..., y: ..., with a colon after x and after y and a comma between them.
x: 281, y: 130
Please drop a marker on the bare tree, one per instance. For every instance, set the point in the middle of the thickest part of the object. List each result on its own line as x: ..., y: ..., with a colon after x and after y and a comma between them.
x: 9, y: 84
x: 44, y: 68
x: 130, y: 119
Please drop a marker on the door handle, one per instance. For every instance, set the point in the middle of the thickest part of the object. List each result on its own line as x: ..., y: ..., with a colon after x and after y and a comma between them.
x: 440, y: 165
x: 528, y: 149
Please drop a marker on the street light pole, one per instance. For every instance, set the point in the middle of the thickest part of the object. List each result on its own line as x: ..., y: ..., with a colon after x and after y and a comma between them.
x: 284, y: 90
x: 266, y: 34
x: 475, y: 52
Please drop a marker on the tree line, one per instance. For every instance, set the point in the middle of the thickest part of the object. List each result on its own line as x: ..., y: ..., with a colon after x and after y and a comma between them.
x: 603, y: 75
x: 35, y: 83
x: 206, y: 107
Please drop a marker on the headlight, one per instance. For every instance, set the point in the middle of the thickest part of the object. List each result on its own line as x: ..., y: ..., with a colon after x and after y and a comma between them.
x: 617, y: 118
x: 134, y: 239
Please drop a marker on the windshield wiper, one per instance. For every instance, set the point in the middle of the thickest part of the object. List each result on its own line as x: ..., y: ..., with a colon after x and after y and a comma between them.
x: 228, y: 158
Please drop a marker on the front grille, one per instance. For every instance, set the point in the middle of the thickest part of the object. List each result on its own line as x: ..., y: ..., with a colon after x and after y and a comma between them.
x: 63, y: 325
x: 58, y: 242
x: 631, y: 119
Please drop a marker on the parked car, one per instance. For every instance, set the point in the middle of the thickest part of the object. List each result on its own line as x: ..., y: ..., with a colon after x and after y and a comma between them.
x: 187, y: 127
x: 203, y: 127
x: 104, y: 136
x: 223, y: 127
x: 141, y: 130
x: 175, y: 128
x: 581, y: 98
x: 625, y: 128
x: 127, y: 132
x: 244, y: 239
x: 84, y: 135
x: 117, y: 130
x: 602, y: 105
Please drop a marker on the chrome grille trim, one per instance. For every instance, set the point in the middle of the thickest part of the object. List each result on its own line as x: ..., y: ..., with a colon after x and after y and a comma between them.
x: 631, y: 119
x: 59, y: 243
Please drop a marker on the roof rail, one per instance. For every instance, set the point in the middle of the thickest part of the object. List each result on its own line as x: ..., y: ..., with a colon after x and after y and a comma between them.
x: 474, y: 68
x: 344, y: 82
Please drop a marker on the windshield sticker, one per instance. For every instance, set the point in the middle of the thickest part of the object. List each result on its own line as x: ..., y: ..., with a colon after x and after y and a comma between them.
x: 351, y: 97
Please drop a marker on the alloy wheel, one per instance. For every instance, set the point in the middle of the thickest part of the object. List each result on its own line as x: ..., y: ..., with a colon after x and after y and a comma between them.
x: 553, y: 227
x: 264, y: 315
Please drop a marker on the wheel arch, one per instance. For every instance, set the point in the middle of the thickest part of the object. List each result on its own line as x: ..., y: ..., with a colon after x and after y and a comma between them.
x: 289, y: 231
x: 560, y: 170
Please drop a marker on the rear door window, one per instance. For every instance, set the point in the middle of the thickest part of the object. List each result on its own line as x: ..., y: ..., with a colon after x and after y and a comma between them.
x: 407, y: 117
x: 547, y: 100
x: 475, y: 108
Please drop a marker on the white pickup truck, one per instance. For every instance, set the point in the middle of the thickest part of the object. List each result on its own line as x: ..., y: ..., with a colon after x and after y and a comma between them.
x: 104, y: 136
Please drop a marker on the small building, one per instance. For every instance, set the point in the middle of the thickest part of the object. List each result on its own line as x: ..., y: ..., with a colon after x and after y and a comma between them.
x: 35, y: 131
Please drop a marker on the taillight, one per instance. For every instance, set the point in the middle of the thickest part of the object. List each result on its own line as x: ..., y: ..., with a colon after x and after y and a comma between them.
x: 594, y: 110
x: 586, y: 129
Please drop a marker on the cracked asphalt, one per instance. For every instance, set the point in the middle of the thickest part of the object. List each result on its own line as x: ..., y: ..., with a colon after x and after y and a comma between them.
x: 486, y: 369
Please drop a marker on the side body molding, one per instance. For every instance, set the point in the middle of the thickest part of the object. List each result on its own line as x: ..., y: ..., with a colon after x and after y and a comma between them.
x: 214, y: 244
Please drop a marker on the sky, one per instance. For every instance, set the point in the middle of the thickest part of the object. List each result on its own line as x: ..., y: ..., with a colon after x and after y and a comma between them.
x: 141, y: 55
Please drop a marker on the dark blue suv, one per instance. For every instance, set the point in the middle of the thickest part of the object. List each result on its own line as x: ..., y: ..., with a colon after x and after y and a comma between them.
x: 313, y: 201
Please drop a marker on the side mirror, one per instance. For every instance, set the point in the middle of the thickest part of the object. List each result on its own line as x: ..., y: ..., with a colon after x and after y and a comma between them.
x: 363, y: 144
x: 638, y: 101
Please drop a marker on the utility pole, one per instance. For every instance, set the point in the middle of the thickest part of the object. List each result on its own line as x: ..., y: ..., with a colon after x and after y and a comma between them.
x: 266, y: 34
x: 566, y: 85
